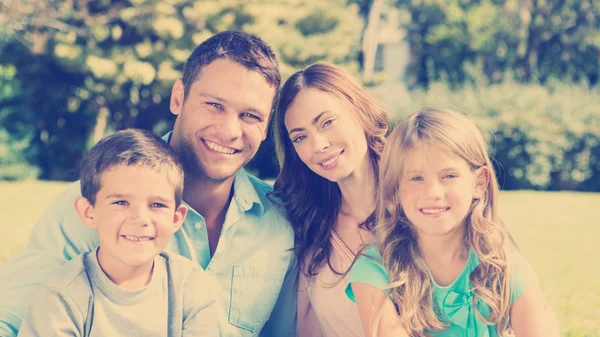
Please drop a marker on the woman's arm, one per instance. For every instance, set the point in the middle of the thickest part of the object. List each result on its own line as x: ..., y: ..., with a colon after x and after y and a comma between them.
x: 307, y: 324
x: 369, y: 300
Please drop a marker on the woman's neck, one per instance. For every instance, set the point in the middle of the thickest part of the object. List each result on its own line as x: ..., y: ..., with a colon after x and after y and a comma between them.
x: 358, y: 193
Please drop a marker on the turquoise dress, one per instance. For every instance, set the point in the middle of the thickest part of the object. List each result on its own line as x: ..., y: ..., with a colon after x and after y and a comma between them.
x: 454, y: 302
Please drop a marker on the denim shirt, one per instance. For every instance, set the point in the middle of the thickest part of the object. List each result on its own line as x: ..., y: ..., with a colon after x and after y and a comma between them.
x: 253, y: 269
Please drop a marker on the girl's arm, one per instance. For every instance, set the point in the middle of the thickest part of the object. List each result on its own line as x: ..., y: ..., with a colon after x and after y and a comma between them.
x: 530, y: 315
x: 369, y: 299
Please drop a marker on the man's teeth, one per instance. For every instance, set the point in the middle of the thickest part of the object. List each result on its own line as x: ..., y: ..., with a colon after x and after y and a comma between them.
x: 330, y: 161
x: 135, y: 238
x: 219, y: 148
x: 434, y: 210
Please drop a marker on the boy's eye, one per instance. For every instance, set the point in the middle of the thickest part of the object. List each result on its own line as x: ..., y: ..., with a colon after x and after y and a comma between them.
x: 157, y: 205
x: 121, y: 202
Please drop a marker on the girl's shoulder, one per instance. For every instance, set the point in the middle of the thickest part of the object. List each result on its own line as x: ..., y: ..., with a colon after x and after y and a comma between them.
x: 368, y: 268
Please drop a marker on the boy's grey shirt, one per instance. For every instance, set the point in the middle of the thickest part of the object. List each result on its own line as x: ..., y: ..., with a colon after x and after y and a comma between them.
x: 80, y: 300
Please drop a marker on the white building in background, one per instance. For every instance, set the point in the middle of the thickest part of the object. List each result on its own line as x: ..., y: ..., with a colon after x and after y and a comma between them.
x: 392, y: 58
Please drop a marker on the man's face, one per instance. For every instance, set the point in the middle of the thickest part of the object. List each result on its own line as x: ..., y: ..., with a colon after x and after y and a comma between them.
x: 223, y: 119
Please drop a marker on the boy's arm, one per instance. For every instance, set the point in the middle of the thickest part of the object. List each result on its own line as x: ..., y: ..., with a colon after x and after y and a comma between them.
x: 57, y: 237
x: 199, y: 309
x: 52, y: 313
x: 283, y: 317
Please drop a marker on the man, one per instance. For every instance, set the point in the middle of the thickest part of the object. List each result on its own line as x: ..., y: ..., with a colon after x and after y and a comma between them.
x: 223, y: 103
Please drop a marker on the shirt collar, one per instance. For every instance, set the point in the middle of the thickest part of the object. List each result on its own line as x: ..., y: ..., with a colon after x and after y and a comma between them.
x: 244, y: 192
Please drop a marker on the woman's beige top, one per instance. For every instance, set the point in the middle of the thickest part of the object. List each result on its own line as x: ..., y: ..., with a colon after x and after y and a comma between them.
x: 324, y: 310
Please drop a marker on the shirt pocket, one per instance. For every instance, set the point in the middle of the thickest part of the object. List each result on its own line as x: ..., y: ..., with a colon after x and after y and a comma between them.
x: 254, y: 292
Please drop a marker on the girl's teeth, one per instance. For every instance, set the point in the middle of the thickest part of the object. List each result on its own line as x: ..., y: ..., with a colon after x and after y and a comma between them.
x: 219, y: 148
x: 434, y: 211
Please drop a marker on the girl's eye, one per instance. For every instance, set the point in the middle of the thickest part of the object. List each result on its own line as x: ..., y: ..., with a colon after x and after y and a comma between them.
x: 449, y: 176
x: 298, y: 139
x: 416, y: 178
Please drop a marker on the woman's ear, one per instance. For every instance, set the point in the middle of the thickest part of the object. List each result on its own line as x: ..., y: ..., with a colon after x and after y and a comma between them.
x: 85, y: 210
x: 482, y: 180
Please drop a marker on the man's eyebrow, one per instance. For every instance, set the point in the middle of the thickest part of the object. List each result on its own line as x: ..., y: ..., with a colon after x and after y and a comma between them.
x: 215, y: 97
x: 314, y: 121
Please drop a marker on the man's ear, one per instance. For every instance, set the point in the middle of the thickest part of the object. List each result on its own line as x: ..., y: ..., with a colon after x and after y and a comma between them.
x: 482, y: 180
x: 85, y: 210
x: 177, y: 97
x: 178, y: 217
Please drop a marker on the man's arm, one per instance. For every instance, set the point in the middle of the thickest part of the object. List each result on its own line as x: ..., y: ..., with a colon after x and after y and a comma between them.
x: 57, y: 237
x: 283, y: 317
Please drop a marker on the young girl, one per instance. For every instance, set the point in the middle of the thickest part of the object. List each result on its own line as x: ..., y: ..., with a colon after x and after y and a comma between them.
x: 330, y: 134
x: 444, y: 264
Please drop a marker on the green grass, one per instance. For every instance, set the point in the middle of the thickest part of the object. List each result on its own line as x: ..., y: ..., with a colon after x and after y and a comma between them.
x: 556, y: 232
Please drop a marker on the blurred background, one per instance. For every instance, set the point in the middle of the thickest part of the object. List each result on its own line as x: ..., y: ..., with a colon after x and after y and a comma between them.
x: 526, y: 71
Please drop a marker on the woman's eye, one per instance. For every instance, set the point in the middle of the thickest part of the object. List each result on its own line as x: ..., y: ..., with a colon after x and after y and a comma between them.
x: 328, y: 122
x: 298, y: 139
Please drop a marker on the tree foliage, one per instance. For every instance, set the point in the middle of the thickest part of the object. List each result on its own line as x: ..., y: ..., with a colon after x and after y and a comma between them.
x: 88, y: 67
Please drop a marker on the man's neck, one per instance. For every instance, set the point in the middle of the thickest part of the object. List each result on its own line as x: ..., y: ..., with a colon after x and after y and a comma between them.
x: 209, y: 198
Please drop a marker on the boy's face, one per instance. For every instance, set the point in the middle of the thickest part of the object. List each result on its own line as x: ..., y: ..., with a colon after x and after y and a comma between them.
x: 135, y: 215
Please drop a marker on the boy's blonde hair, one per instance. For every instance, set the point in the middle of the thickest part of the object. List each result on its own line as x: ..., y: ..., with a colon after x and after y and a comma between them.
x: 410, y: 284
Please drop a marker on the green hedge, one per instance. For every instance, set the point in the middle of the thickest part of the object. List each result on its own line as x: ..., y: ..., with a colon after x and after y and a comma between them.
x: 541, y: 137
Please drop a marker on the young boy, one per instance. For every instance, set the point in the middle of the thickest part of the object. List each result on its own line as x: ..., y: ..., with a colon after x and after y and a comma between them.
x: 131, y: 187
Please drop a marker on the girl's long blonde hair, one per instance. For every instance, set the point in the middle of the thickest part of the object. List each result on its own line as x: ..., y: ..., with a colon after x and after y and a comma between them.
x: 410, y: 284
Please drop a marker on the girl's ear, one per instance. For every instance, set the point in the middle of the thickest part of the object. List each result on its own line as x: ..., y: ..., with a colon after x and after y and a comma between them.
x: 179, y: 216
x: 482, y: 179
x: 85, y: 210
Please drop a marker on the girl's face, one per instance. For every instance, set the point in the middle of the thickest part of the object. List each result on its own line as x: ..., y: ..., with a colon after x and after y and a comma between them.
x: 436, y: 190
x: 328, y: 137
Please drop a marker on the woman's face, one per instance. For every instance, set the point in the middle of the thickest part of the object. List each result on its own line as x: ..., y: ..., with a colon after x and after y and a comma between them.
x: 327, y: 136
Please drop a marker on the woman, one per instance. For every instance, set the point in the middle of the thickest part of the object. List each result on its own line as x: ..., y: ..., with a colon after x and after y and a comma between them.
x: 329, y: 136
